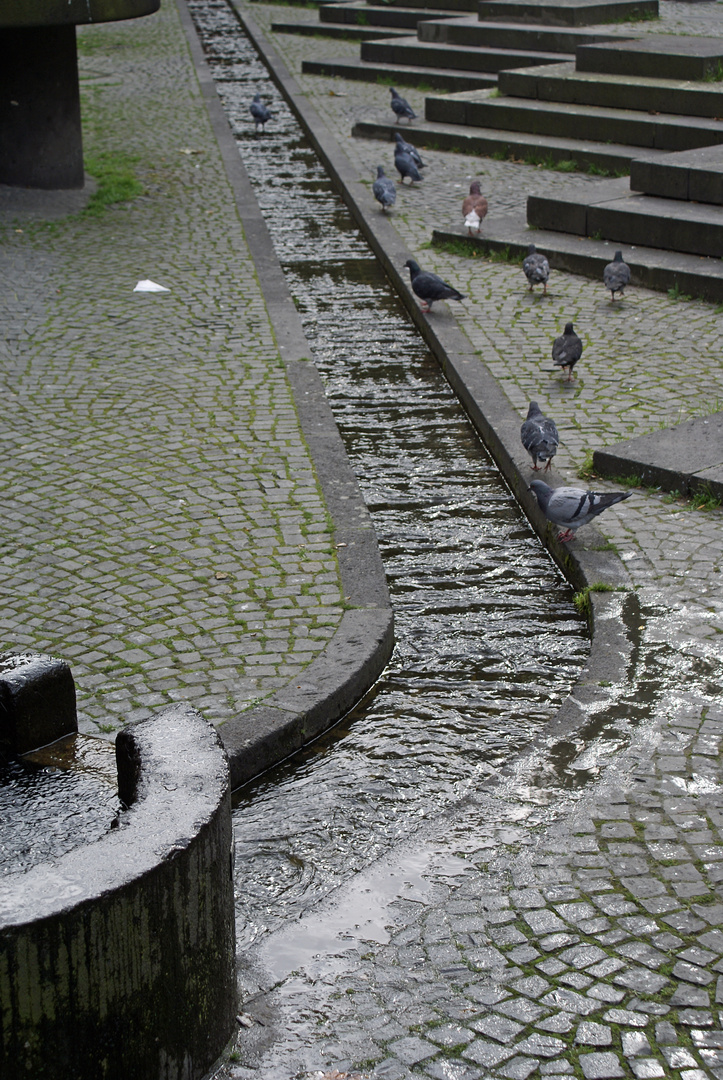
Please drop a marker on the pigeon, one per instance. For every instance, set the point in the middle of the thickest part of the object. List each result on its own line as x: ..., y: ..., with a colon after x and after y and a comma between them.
x: 385, y: 190
x: 409, y: 150
x: 429, y: 287
x: 539, y: 437
x: 401, y: 106
x: 406, y: 167
x: 567, y: 350
x: 474, y: 204
x: 616, y: 275
x: 259, y: 112
x: 537, y: 269
x: 572, y: 507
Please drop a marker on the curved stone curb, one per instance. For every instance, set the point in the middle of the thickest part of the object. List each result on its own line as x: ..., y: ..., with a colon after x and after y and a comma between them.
x: 613, y: 652
x: 118, y: 958
x: 363, y: 643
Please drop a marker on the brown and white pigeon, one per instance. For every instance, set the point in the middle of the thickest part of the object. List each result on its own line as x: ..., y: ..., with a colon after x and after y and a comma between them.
x: 474, y: 208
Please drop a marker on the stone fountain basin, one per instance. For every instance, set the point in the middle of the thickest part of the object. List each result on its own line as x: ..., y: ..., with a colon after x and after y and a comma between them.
x: 71, y: 12
x: 117, y: 958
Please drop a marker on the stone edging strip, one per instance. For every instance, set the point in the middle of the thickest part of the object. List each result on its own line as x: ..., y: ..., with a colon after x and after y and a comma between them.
x: 355, y: 657
x: 612, y: 615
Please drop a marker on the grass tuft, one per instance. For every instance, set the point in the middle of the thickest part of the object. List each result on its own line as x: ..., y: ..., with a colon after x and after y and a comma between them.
x: 117, y: 180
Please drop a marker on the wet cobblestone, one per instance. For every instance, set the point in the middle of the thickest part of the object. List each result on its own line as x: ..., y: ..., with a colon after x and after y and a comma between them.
x: 584, y: 938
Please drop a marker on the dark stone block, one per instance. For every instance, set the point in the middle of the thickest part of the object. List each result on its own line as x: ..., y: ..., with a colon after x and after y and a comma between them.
x: 37, y: 701
x: 660, y: 56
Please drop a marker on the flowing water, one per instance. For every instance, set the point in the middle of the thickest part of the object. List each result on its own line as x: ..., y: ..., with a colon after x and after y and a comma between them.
x: 488, y: 640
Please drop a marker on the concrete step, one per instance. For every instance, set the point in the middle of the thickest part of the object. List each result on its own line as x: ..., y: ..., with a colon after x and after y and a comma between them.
x: 455, y: 7
x: 668, y: 56
x: 695, y: 175
x: 613, y: 212
x: 391, y: 74
x: 360, y: 14
x: 561, y: 82
x: 409, y: 50
x: 687, y: 458
x: 650, y: 268
x: 333, y: 30
x: 626, y: 127
x: 567, y: 12
x: 575, y: 153
x: 466, y: 30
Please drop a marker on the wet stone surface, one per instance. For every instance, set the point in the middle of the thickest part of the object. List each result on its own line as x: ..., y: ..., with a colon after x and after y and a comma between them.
x: 564, y: 933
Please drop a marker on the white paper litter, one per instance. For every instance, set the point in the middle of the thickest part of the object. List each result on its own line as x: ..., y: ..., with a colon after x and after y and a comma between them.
x: 150, y: 286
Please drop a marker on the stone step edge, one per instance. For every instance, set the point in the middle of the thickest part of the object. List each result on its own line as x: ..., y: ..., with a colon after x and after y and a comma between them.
x: 543, y: 107
x: 693, y: 276
x: 414, y: 43
x: 608, y: 158
x: 334, y: 31
x: 412, y: 76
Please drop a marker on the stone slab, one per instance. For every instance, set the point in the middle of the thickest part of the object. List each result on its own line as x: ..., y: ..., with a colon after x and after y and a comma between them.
x: 356, y: 14
x: 650, y: 267
x: 661, y: 132
x: 566, y: 12
x: 668, y: 56
x: 633, y: 219
x: 410, y: 50
x: 515, y: 145
x: 695, y: 175
x: 683, y: 458
x: 561, y: 82
x: 466, y: 30
x: 412, y: 76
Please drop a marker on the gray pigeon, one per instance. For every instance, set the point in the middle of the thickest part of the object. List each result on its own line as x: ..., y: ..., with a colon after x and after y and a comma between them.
x: 537, y: 269
x: 429, y: 287
x: 567, y: 350
x: 259, y: 112
x: 539, y: 437
x: 401, y: 106
x: 406, y: 167
x: 409, y: 150
x: 616, y: 275
x: 385, y: 190
x: 572, y: 507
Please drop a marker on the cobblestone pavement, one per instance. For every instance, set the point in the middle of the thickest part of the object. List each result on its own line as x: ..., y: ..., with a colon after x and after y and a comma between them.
x: 162, y: 527
x: 559, y: 933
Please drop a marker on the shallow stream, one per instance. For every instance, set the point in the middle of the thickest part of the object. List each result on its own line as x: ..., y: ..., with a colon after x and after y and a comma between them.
x: 488, y: 640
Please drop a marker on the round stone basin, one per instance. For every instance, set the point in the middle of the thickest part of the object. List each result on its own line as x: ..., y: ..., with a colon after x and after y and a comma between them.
x: 72, y: 12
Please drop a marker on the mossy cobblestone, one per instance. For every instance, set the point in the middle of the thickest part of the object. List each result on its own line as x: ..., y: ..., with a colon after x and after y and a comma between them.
x: 163, y: 527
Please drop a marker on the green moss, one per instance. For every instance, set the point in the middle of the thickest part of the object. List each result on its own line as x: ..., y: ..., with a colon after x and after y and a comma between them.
x: 117, y: 180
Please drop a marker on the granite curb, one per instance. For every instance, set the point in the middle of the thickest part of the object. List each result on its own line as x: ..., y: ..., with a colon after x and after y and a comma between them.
x: 356, y: 655
x: 588, y: 564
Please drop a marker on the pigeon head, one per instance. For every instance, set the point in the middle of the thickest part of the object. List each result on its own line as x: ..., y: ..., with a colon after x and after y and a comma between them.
x: 380, y: 171
x: 543, y: 492
x: 568, y: 328
x: 618, y: 256
x: 533, y: 410
x: 474, y: 188
x: 393, y: 92
x: 413, y: 266
x: 531, y: 249
x: 398, y: 138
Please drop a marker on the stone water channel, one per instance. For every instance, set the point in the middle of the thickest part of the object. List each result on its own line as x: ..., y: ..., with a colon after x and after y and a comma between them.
x: 385, y: 812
